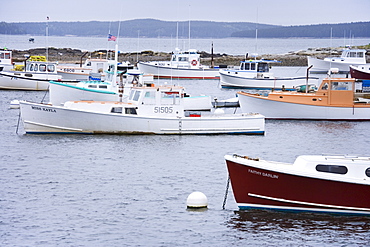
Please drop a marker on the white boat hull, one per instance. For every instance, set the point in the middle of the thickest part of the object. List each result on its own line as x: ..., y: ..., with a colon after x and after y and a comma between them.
x: 20, y: 81
x: 74, y: 76
x: 40, y: 118
x: 162, y: 71
x: 282, y: 110
x: 240, y: 80
x: 323, y: 66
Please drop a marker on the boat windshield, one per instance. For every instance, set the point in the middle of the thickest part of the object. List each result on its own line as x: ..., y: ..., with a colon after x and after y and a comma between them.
x: 341, y: 85
x: 263, y: 67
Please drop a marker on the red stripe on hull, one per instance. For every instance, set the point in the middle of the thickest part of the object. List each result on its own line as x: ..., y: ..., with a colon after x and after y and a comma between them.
x: 249, y: 180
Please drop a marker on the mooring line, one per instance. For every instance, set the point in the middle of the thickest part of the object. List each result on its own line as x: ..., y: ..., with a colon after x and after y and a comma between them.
x: 19, y: 117
x: 227, y: 189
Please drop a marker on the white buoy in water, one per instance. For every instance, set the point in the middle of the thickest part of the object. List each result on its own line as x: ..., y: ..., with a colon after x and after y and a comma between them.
x: 14, y: 104
x: 197, y: 200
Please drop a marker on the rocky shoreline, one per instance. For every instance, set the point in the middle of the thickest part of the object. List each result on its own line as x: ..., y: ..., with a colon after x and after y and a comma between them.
x: 68, y: 55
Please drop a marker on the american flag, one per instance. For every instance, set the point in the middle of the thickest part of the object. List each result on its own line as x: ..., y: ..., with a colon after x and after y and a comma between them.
x: 111, y: 37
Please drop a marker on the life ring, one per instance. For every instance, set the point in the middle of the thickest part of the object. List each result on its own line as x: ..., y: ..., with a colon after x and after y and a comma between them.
x: 194, y: 62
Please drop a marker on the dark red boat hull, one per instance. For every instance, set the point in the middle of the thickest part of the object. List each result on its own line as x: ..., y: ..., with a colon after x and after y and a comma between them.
x: 359, y: 74
x: 276, y: 190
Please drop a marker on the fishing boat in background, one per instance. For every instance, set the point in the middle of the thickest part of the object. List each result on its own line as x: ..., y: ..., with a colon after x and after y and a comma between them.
x: 348, y: 57
x: 334, y: 100
x: 36, y: 76
x: 313, y: 183
x: 92, y: 69
x: 183, y: 65
x: 255, y: 74
x: 149, y: 110
x: 360, y: 71
x: 6, y: 62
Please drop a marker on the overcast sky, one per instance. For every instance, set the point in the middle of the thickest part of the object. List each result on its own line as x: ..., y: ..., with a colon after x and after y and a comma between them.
x: 277, y: 12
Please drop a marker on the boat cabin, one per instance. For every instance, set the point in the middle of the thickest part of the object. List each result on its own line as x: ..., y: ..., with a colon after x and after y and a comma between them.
x: 259, y: 66
x: 332, y: 91
x: 6, y: 62
x: 356, y: 56
x: 41, y: 67
x: 5, y: 57
x: 158, y: 100
x: 187, y: 59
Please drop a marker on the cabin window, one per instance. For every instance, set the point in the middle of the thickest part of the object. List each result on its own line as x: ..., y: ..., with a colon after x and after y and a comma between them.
x: 136, y: 95
x: 31, y: 67
x: 332, y: 169
x: 88, y: 64
x: 183, y: 59
x: 51, y: 68
x: 367, y: 172
x: 131, y: 111
x: 360, y: 54
x: 174, y: 58
x: 341, y: 85
x: 263, y: 67
x: 253, y: 66
x: 103, y: 86
x: 116, y: 110
x: 42, y: 67
x: 36, y: 67
x: 92, y: 86
x: 1, y: 55
x: 149, y: 97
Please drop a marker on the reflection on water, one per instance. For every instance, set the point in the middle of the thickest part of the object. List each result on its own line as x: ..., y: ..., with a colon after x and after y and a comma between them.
x: 302, y: 226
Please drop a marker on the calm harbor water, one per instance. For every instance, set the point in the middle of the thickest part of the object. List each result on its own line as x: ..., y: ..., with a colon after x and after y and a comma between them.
x: 108, y: 190
x: 231, y: 46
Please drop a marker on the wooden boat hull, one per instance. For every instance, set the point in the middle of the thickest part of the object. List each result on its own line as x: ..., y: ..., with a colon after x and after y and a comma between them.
x: 161, y: 71
x: 40, y: 118
x: 240, y: 80
x: 273, y: 109
x: 264, y: 187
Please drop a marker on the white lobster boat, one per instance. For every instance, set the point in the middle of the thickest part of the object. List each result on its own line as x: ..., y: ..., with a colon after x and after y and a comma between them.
x: 255, y: 74
x: 149, y: 110
x: 183, y: 65
x: 36, y: 76
x: 342, y: 63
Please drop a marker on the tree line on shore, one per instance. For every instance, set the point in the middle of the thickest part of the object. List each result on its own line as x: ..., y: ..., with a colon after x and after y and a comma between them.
x: 152, y: 28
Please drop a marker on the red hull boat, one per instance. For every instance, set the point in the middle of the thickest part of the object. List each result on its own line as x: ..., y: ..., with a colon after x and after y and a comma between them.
x: 360, y: 72
x: 316, y: 183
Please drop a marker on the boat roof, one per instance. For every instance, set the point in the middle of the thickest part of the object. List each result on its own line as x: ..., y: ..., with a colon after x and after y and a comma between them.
x: 260, y: 61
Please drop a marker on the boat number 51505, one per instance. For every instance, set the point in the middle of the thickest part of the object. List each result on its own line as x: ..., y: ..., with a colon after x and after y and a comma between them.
x: 163, y: 109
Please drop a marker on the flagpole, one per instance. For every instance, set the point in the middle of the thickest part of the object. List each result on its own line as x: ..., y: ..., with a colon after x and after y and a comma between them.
x: 47, y: 35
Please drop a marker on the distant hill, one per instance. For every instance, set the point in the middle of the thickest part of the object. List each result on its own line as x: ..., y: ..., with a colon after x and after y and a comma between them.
x: 355, y: 29
x: 150, y: 28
